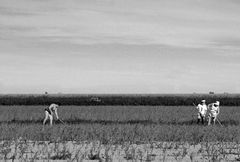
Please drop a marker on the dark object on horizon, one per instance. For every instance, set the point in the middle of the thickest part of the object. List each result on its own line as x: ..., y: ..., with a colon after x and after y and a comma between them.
x: 95, y: 99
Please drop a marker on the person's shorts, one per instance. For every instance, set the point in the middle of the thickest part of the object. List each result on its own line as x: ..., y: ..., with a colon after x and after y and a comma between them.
x: 48, y: 111
x: 213, y: 115
x: 201, y: 115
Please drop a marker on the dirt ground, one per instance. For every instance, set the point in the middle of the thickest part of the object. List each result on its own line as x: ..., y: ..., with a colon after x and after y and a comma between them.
x: 94, y: 151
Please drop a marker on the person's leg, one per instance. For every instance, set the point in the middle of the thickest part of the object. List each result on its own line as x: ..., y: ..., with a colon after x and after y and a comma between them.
x: 46, y: 117
x: 214, y: 120
x: 209, y: 120
x: 198, y: 118
x: 202, y: 117
x: 51, y: 119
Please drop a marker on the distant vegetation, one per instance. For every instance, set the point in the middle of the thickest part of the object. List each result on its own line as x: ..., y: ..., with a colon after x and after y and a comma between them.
x: 161, y: 99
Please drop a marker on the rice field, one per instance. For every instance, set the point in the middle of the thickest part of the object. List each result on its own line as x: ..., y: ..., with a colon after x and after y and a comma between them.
x: 118, y: 133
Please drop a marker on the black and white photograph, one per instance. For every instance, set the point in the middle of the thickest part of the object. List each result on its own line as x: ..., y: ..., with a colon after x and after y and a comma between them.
x: 120, y: 80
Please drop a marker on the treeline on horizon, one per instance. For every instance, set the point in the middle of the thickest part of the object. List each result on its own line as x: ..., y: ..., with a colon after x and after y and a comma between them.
x: 154, y: 100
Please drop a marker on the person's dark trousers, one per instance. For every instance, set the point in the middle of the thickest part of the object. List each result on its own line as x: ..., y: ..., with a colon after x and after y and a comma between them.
x: 198, y: 121
x: 202, y: 120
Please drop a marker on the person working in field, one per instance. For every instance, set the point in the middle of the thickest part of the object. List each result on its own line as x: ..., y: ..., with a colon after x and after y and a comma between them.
x: 202, y: 110
x: 213, y: 112
x: 49, y: 113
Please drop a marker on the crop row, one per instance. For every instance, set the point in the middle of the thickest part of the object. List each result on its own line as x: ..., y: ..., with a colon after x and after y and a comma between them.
x: 117, y: 124
x: 119, y: 134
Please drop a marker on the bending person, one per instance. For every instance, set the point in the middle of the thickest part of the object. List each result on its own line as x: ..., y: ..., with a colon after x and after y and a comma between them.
x: 213, y: 112
x: 49, y: 113
x: 202, y: 109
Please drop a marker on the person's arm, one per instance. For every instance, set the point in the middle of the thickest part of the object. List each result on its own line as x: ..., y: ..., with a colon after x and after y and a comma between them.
x: 209, y: 107
x: 198, y: 107
x: 218, y: 110
x: 50, y: 109
x: 56, y: 113
x: 205, y: 109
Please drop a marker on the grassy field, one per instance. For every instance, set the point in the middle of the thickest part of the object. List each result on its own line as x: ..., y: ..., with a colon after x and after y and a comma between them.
x: 118, y: 133
x: 118, y: 124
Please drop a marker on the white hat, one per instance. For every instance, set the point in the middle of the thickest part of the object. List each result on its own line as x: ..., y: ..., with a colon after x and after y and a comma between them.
x: 217, y: 103
x: 203, y: 100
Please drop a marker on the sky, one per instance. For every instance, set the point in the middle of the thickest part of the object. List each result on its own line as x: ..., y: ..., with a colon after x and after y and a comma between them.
x: 119, y: 46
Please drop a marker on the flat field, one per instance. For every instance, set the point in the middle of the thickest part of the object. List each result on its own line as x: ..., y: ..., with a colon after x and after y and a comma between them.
x: 124, y: 126
x: 117, y: 124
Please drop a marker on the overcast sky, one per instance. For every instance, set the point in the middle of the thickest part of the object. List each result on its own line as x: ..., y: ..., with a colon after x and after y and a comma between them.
x: 119, y: 46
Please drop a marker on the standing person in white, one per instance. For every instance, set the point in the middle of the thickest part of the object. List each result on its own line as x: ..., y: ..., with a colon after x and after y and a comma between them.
x: 49, y: 113
x: 202, y: 110
x: 213, y: 112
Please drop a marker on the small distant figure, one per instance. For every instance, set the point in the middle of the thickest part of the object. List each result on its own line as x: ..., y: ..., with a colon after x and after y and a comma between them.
x: 49, y: 113
x: 202, y: 110
x: 213, y: 112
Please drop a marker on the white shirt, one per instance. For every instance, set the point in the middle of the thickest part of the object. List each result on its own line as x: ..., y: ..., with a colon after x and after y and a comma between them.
x: 53, y: 107
x: 214, y: 109
x: 202, y: 109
